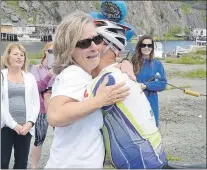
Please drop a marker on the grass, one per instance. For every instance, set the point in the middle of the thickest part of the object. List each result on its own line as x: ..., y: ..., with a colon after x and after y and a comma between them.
x: 35, y: 55
x: 173, y: 158
x: 199, y: 52
x: 33, y: 61
x: 169, y: 38
x: 199, y: 73
x: 14, y: 6
x: 187, y: 59
x: 204, y: 18
x: 15, y: 3
x: 186, y: 9
x: 97, y: 6
x: 172, y: 38
x: 157, y: 58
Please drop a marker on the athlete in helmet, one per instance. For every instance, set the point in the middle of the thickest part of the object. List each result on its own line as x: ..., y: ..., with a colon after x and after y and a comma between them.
x: 131, y: 137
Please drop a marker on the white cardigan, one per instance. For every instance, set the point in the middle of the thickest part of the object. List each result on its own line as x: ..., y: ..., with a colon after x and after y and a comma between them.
x: 32, y: 100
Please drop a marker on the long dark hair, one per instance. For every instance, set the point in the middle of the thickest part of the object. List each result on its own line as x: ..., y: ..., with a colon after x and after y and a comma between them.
x: 137, y: 59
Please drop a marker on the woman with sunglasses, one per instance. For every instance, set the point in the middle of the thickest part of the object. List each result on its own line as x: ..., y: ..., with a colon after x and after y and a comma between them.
x: 44, y: 77
x: 149, y: 72
x: 78, y: 142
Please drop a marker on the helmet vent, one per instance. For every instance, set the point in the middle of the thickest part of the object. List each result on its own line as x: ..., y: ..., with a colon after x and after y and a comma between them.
x: 112, y: 30
x: 121, y: 40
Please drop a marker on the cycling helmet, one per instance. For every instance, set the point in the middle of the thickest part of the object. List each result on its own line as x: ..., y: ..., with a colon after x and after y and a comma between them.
x: 113, y: 32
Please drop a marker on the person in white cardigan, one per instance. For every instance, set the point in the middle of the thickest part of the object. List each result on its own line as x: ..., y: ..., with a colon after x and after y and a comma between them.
x: 20, y: 106
x: 6, y: 118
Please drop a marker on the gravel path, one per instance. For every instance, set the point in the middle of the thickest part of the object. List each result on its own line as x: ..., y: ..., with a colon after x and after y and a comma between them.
x: 182, y: 120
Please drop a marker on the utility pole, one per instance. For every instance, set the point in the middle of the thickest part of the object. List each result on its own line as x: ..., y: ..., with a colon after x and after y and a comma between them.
x: 165, y: 38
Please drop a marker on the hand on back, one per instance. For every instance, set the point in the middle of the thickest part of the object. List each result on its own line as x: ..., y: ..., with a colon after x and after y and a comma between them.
x: 108, y: 95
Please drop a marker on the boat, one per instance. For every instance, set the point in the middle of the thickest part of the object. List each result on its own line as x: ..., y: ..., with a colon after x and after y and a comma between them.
x: 28, y: 38
x: 158, y: 50
x: 201, y: 41
x: 180, y: 51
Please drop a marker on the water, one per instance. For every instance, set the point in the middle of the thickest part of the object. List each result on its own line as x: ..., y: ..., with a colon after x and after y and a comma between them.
x: 170, y: 45
x: 36, y: 47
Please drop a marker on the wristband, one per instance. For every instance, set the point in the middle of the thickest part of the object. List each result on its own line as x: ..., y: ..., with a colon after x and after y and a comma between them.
x: 47, y: 89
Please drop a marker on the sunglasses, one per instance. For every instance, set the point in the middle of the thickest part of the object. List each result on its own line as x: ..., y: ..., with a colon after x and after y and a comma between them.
x: 83, y: 44
x: 50, y: 51
x: 146, y: 45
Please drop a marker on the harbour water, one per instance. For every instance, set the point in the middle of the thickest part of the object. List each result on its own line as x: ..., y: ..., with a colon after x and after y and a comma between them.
x: 36, y: 47
x: 168, y: 46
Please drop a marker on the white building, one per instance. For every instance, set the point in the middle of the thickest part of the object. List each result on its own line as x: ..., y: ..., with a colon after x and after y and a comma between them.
x: 199, y: 32
x: 24, y: 30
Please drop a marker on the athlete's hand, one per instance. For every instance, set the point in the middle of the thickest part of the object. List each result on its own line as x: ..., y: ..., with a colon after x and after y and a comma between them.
x: 126, y: 67
x: 26, y: 128
x: 18, y: 128
x: 107, y: 95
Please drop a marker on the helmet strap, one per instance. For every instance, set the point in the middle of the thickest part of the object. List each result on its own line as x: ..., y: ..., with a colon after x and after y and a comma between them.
x: 106, y: 49
x: 110, y: 45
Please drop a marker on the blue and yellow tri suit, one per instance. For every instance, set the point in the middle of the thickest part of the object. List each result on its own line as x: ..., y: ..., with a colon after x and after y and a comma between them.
x: 131, y: 137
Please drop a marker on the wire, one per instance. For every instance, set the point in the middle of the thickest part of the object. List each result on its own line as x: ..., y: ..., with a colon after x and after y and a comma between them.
x: 188, y: 91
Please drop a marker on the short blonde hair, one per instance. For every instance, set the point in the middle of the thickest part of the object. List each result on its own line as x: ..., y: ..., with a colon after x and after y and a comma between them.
x: 5, y: 57
x: 68, y: 33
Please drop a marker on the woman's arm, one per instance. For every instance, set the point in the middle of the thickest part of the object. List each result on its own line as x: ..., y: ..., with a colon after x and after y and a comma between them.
x: 63, y: 110
x: 41, y: 84
x: 35, y: 107
x: 35, y: 101
x: 160, y: 84
x: 5, y: 115
x: 7, y: 118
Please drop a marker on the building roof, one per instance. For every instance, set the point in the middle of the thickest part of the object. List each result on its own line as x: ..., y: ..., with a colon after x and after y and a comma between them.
x: 199, y: 29
x: 9, y: 24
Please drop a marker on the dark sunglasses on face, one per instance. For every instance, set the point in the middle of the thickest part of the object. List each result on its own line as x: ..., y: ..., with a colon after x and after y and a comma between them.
x: 83, y: 44
x: 50, y: 51
x: 146, y: 45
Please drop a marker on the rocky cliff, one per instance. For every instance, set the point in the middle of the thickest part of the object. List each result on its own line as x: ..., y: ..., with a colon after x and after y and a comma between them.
x: 155, y: 17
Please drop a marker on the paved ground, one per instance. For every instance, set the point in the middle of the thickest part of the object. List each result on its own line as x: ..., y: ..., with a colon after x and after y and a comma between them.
x: 182, y: 120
